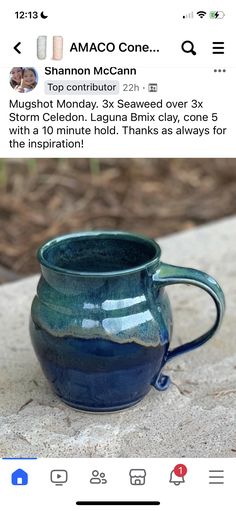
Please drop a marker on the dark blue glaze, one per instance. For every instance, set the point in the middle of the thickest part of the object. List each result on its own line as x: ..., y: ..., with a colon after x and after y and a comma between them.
x: 97, y: 375
x: 101, y: 321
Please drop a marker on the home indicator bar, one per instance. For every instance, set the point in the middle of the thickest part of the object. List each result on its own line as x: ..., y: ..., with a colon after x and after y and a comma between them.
x: 118, y: 503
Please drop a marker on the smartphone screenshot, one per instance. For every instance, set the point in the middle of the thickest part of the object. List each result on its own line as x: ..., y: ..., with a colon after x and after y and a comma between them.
x: 117, y: 256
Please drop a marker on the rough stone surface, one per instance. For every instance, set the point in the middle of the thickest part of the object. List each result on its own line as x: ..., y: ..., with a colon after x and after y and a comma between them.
x: 196, y: 416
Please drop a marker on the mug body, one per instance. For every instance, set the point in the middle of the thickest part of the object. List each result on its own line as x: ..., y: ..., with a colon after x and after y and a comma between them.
x: 99, y: 325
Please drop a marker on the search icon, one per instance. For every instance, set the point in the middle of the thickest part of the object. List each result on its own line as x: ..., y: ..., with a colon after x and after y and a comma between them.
x: 188, y: 47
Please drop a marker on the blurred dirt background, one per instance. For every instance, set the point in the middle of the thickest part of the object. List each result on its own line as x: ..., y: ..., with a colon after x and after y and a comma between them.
x: 43, y: 198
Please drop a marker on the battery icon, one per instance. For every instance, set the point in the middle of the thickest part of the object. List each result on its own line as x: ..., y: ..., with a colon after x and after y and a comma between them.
x: 217, y: 15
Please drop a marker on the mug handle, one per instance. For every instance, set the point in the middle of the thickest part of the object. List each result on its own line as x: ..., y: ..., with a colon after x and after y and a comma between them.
x: 167, y: 275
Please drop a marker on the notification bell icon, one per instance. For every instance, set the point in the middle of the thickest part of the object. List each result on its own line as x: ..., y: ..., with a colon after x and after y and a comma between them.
x: 176, y: 479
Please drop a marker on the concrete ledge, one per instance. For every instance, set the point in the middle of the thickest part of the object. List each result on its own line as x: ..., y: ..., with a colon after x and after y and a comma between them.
x: 195, y: 417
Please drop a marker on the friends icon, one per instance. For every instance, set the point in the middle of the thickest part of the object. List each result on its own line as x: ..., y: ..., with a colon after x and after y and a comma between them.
x: 98, y: 478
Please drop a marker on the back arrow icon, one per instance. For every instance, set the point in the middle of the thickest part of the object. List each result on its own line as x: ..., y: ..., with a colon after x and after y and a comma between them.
x: 16, y: 47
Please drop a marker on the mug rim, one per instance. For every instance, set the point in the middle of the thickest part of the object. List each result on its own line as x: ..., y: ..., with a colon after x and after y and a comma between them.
x: 152, y: 263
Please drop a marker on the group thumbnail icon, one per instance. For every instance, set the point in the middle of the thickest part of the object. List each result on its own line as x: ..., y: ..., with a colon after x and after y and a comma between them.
x: 57, y: 47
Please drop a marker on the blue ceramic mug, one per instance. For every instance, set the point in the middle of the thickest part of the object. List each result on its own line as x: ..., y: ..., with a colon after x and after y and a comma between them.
x: 101, y: 322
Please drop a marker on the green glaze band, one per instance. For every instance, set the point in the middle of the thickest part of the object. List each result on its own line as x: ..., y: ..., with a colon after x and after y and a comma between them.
x: 123, y: 305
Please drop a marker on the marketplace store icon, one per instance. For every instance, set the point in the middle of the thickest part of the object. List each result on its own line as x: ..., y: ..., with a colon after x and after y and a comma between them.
x: 19, y: 478
x: 137, y: 476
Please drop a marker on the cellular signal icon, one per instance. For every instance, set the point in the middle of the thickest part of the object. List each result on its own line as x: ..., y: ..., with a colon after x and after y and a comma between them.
x: 201, y: 14
x: 188, y: 16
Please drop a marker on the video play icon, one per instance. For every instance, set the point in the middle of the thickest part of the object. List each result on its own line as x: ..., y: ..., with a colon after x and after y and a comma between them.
x: 59, y: 477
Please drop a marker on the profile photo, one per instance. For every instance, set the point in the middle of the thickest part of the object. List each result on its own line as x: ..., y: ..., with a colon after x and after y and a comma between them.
x: 23, y: 79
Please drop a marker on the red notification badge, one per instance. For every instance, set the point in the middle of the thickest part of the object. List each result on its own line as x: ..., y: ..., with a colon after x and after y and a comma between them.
x: 180, y: 470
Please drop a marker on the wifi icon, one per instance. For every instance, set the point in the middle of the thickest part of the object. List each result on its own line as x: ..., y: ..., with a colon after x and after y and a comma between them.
x: 201, y: 14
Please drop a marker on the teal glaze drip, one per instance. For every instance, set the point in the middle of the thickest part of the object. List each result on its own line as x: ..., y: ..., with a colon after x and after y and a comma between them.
x: 121, y: 310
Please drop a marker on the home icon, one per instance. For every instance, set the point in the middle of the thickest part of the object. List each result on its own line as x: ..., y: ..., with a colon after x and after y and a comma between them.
x: 19, y: 478
x: 137, y: 476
